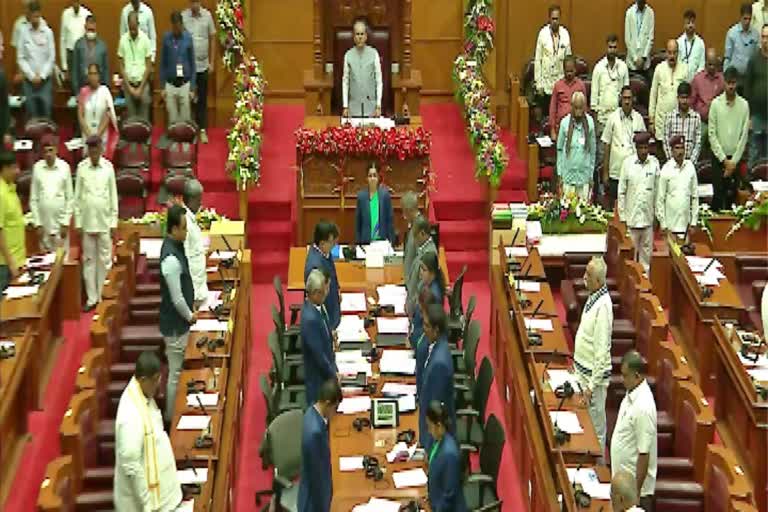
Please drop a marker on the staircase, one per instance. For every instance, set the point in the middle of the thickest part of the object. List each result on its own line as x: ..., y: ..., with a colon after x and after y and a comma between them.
x: 270, y: 235
x: 464, y: 235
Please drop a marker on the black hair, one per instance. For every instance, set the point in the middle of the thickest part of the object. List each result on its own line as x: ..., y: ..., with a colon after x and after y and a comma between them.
x: 684, y: 89
x: 569, y: 58
x: 330, y: 391
x: 553, y: 8
x: 437, y: 318
x: 689, y: 14
x: 731, y: 75
x: 147, y: 365
x: 430, y: 261
x: 421, y: 225
x: 437, y: 413
x: 625, y: 89
x: 323, y: 231
x: 175, y: 214
x: 612, y: 38
x: 90, y: 18
x: 176, y: 17
x: 746, y: 8
x: 96, y: 65
x: 34, y: 6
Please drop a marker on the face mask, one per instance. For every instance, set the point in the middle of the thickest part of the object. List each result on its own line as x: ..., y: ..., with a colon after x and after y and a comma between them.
x: 91, y: 36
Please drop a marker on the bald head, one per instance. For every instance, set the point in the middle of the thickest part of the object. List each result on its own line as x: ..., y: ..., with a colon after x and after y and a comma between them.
x: 672, y: 53
x: 623, y: 491
x: 713, y: 61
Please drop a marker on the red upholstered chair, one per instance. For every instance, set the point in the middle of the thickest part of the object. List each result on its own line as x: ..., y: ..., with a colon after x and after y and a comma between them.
x: 175, y: 179
x: 760, y: 171
x: 133, y: 149
x: 57, y: 490
x: 132, y: 191
x: 379, y: 38
x: 723, y: 482
x: 182, y: 149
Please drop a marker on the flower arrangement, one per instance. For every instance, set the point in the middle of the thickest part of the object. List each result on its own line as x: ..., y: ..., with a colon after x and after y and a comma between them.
x: 204, y: 217
x: 491, y: 157
x: 569, y: 214
x: 369, y: 142
x: 244, y: 138
x: 479, y: 29
x: 753, y: 214
x: 705, y: 214
x: 231, y: 30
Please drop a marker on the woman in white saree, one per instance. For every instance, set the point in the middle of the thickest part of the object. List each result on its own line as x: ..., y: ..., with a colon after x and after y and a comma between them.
x: 96, y: 111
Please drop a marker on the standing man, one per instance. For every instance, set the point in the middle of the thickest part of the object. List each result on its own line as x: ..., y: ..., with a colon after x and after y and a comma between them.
x: 759, y: 14
x: 609, y: 77
x: 576, y: 148
x: 178, y: 84
x: 361, y: 83
x: 618, y: 143
x: 135, y: 53
x: 199, y: 23
x: 741, y: 41
x: 437, y: 384
x: 560, y: 103
x: 592, y: 349
x: 728, y: 132
x: 686, y: 122
x: 637, y: 187
x: 666, y: 79
x: 145, y: 18
x: 755, y: 87
x: 410, y: 205
x: 691, y: 45
x: 36, y: 56
x: 319, y: 256
x: 705, y: 87
x: 90, y: 49
x: 316, y: 482
x: 95, y: 209
x: 50, y: 199
x: 639, y: 26
x: 624, y: 492
x: 145, y: 466
x: 317, y: 338
x: 422, y: 238
x: 22, y: 23
x: 13, y: 251
x: 193, y: 245
x: 71, y: 30
x: 177, y: 295
x: 633, y: 443
x: 552, y: 45
x: 677, y: 199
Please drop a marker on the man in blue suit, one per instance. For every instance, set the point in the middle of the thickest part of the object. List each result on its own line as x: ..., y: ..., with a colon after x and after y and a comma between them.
x: 316, y: 484
x: 319, y: 257
x: 437, y: 383
x: 374, y: 219
x: 316, y: 337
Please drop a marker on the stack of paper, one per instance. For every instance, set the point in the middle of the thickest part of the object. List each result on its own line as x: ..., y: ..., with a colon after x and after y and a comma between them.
x: 401, y: 362
x: 352, y: 329
x: 398, y: 389
x: 393, y: 295
x: 587, y: 478
x: 533, y: 230
x: 378, y: 505
x: 698, y: 264
x: 18, y: 292
x: 209, y: 325
x: 410, y: 478
x: 354, y: 405
x: 559, y: 377
x: 190, y: 476
x: 42, y: 261
x: 390, y: 325
x: 539, y: 324
x: 352, y: 368
x: 406, y: 403
x: 544, y: 142
x: 529, y: 286
x: 401, y: 450
x: 222, y: 255
x: 353, y: 303
x: 350, y: 463
x: 207, y: 399
x: 518, y: 251
x: 193, y: 422
x: 384, y: 248
x: 567, y: 421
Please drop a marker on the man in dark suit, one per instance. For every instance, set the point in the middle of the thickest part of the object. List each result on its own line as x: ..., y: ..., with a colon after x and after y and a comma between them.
x: 374, y: 219
x: 316, y: 484
x: 437, y: 383
x: 423, y: 241
x: 316, y: 337
x: 319, y: 257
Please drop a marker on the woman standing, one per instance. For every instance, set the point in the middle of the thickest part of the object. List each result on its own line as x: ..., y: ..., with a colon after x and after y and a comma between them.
x: 444, y: 485
x: 374, y: 216
x: 96, y: 111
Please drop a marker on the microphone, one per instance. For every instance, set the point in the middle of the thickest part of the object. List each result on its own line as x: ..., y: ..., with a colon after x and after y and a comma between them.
x: 538, y: 306
x: 189, y: 464
x: 200, y: 403
x: 362, y: 110
x: 226, y: 286
x: 517, y: 232
x: 711, y: 262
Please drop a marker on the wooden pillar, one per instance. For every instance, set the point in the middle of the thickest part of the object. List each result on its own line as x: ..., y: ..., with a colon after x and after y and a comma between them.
x: 514, y: 104
x: 522, y: 128
x: 532, y: 181
x: 243, y: 196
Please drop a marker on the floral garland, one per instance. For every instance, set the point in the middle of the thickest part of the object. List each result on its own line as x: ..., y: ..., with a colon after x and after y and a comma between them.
x: 479, y: 29
x: 568, y: 214
x: 752, y: 214
x: 491, y: 156
x: 373, y: 142
x: 244, y: 139
x: 231, y: 30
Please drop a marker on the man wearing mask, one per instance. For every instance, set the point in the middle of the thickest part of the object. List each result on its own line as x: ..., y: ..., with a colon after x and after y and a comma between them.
x: 608, y: 78
x: 36, y: 57
x: 50, y: 199
x: 686, y: 122
x: 72, y: 28
x: 89, y: 49
x: 552, y: 45
x: 193, y: 245
x: 666, y: 79
x: 707, y: 85
x: 691, y: 45
x: 755, y: 87
x: 639, y: 27
x: 13, y: 253
x: 677, y: 198
x: 361, y: 81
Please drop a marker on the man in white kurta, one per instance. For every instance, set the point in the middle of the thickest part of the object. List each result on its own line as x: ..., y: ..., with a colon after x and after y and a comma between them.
x: 691, y: 45
x: 145, y: 467
x: 361, y: 82
x: 637, y: 186
x: 639, y: 26
x: 194, y: 246
x: 592, y: 346
x: 552, y: 45
x: 95, y: 207
x: 667, y: 76
x: 50, y: 199
x: 677, y: 197
x: 608, y: 78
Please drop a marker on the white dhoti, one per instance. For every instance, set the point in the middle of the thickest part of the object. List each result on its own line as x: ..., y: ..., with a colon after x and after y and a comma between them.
x: 97, y: 261
x: 643, y: 240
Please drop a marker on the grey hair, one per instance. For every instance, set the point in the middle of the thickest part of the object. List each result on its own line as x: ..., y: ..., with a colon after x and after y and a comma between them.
x: 624, y: 485
x: 410, y: 200
x: 600, y: 269
x: 315, y: 281
x: 192, y: 188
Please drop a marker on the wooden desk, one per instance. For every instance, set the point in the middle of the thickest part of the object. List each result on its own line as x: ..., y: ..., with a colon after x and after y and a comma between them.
x: 554, y: 347
x: 596, y: 505
x: 544, y: 295
x: 742, y: 415
x: 352, y: 275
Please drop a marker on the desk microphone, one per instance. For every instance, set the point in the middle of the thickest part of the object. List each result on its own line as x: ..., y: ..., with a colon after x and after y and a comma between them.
x: 200, y: 403
x: 189, y: 464
x: 561, y: 436
x: 225, y: 285
x: 517, y: 232
x: 711, y: 262
x: 538, y: 306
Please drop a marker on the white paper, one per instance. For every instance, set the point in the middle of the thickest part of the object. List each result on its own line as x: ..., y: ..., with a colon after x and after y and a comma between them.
x: 354, y: 405
x: 398, y: 389
x: 759, y: 374
x: 40, y: 261
x: 350, y: 356
x: 350, y: 463
x: 352, y: 328
x: 545, y: 141
x: 401, y: 362
x: 762, y: 361
x: 193, y: 422
x: 587, y: 478
x: 150, y: 247
x: 401, y: 449
x: 186, y: 505
x: 352, y: 369
x: 378, y: 505
x: 187, y: 476
x: 222, y: 255
x: 707, y: 280
x: 518, y: 251
x: 557, y: 245
x: 406, y: 403
x: 353, y: 303
x: 212, y: 270
x: 208, y: 399
x: 18, y: 292
x: 212, y: 301
x: 384, y: 123
x: 760, y: 186
x: 374, y: 260
x: 393, y: 295
x: 529, y: 286
x: 706, y: 190
x: 25, y: 278
x: 209, y: 325
x: 567, y: 421
x: 7, y: 344
x: 539, y: 324
x: 22, y: 145
x: 533, y: 230
x: 73, y: 144
x: 410, y: 478
x: 396, y: 325
x: 16, y: 101
x: 559, y: 377
x: 697, y: 264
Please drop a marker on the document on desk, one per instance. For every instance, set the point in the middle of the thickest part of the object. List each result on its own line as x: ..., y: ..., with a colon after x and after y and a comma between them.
x: 518, y: 251
x: 558, y: 377
x: 212, y: 301
x: 354, y: 405
x: 186, y: 505
x: 759, y: 374
x: 393, y: 295
x: 43, y: 260
x: 406, y: 403
x: 398, y: 389
x: 353, y: 303
x: 400, y: 362
x: 401, y: 450
x: 207, y: 399
x: 529, y: 286
x: 409, y: 478
x: 392, y: 325
x: 150, y: 247
x: 222, y: 255
x: 378, y: 505
x: 19, y: 292
x: 539, y: 324
x: 355, y: 367
x: 567, y: 421
x: 26, y: 278
x: 193, y: 422
x: 350, y: 463
x: 209, y: 325
x: 698, y: 264
x: 587, y: 478
x: 190, y: 476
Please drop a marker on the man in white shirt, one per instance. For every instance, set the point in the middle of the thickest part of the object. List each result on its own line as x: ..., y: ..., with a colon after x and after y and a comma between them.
x: 198, y: 21
x: 639, y: 26
x: 666, y: 78
x: 193, y: 245
x: 71, y: 30
x: 633, y: 443
x: 691, y: 45
x: 592, y: 346
x: 50, y: 199
x: 95, y: 208
x: 552, y: 45
x: 146, y: 20
x: 36, y: 57
x: 759, y: 15
x: 637, y: 187
x: 624, y: 493
x: 145, y: 465
x: 361, y: 80
x: 21, y: 23
x: 677, y: 197
x: 609, y: 76
x: 618, y: 140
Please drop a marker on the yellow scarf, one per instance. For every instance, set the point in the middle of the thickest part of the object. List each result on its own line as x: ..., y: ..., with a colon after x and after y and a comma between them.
x: 150, y: 445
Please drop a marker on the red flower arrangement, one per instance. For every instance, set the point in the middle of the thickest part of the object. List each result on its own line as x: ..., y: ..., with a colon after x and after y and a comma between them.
x: 364, y: 142
x: 485, y: 24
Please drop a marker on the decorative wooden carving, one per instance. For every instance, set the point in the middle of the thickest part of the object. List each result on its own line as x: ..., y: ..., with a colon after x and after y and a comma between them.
x: 405, y: 66
x: 317, y: 40
x: 374, y: 10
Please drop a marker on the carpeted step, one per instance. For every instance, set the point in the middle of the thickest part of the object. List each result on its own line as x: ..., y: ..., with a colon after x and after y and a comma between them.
x: 460, y: 209
x: 145, y: 303
x: 121, y: 371
x: 98, y: 479
x: 265, y: 210
x: 130, y: 353
x: 107, y: 453
x: 476, y: 262
x: 267, y: 264
x: 464, y: 234
x: 145, y: 317
x: 96, y: 501
x: 141, y: 335
x: 271, y: 234
x: 144, y: 289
